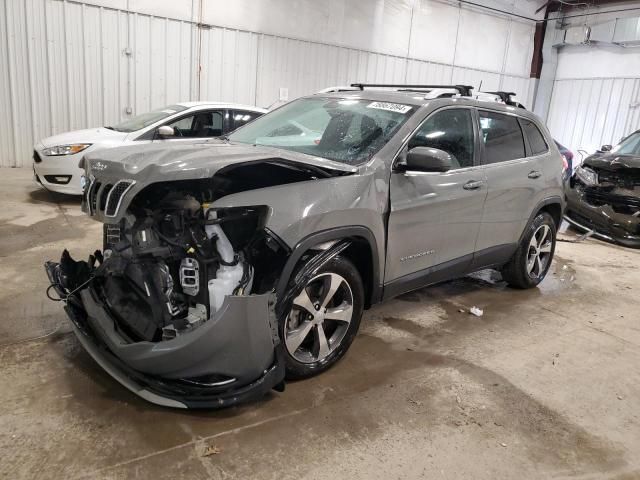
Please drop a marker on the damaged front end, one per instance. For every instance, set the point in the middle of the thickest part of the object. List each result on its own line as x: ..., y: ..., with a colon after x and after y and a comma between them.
x: 603, y: 196
x: 179, y: 305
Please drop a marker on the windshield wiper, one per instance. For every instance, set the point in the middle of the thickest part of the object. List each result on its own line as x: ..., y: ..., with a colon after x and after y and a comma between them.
x: 111, y: 128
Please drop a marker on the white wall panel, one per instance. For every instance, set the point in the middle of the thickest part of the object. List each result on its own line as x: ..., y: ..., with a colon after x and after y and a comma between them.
x: 113, y: 41
x: 69, y: 64
x: 7, y: 126
x: 476, y: 48
x: 440, y: 20
x: 519, y: 48
x: 596, y: 61
x: 588, y: 113
x: 228, y: 65
x: 74, y: 68
x: 596, y: 93
x: 19, y: 78
x: 56, y: 75
x: 37, y: 56
x: 419, y: 71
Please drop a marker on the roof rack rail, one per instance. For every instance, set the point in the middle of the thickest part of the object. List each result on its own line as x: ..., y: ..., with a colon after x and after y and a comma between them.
x: 464, y: 90
x: 506, y: 98
x: 337, y: 88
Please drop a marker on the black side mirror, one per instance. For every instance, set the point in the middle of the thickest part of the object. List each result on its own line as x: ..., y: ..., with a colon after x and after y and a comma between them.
x: 427, y: 159
x: 606, y: 148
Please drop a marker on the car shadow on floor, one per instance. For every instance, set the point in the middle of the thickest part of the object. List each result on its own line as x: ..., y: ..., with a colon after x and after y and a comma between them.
x: 40, y: 195
x: 485, y: 283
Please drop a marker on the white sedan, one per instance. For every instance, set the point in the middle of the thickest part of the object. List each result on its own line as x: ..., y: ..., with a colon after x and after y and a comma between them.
x: 55, y: 159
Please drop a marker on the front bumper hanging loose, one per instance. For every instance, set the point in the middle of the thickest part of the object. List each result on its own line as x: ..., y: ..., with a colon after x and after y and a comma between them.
x: 605, y: 222
x: 233, y: 357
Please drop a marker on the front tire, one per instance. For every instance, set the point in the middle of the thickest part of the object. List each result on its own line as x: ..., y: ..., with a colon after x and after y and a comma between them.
x: 531, y: 262
x: 323, y: 319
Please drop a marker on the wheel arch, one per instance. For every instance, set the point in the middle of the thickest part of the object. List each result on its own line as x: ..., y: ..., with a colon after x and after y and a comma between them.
x: 363, y: 252
x: 550, y: 205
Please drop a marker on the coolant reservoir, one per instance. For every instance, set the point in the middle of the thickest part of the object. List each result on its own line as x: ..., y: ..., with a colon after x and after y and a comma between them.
x: 227, y: 278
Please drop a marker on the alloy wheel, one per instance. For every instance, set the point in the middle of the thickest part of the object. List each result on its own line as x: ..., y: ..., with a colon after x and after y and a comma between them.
x: 319, y: 318
x: 539, y: 253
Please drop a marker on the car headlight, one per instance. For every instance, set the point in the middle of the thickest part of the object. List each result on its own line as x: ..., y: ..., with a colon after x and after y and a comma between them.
x: 587, y: 176
x: 65, y: 149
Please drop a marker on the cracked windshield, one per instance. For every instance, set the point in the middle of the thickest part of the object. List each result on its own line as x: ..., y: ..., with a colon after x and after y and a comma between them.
x: 348, y: 131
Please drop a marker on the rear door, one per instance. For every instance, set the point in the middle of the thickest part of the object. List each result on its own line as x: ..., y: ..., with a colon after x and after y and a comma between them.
x: 435, y: 216
x: 515, y: 180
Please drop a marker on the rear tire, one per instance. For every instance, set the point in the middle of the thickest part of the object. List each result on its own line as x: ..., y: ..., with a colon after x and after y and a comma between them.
x: 531, y: 262
x: 323, y: 320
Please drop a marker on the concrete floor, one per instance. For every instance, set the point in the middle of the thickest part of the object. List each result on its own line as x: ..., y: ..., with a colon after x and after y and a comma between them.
x: 544, y: 385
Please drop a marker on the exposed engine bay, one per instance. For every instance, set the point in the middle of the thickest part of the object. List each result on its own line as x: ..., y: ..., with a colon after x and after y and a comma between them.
x: 167, y: 267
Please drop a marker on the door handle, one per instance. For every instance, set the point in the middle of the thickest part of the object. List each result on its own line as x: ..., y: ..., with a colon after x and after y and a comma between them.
x: 534, y: 174
x: 472, y: 185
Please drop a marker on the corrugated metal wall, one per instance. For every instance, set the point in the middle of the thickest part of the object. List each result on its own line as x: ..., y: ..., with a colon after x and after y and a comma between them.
x: 66, y: 65
x: 588, y: 113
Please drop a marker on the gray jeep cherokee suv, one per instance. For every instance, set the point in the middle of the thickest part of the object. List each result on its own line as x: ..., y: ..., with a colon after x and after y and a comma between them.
x: 230, y: 264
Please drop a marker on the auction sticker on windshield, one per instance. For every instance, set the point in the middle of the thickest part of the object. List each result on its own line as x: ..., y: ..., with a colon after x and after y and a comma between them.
x: 392, y: 107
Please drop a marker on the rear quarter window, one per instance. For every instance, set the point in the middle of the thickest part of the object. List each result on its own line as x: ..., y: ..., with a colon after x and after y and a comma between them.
x: 537, y: 143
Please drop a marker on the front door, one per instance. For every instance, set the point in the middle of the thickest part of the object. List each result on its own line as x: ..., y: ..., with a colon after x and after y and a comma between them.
x: 435, y: 216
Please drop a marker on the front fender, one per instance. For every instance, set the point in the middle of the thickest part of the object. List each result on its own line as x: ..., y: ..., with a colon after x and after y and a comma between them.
x: 322, y: 210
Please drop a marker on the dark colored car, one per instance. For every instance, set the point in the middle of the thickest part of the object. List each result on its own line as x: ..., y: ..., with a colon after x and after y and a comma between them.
x: 603, y: 195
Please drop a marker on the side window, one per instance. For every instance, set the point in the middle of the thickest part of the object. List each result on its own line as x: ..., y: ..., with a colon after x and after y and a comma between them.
x: 536, y: 140
x: 199, y: 125
x: 502, y: 137
x: 450, y: 130
x: 183, y: 125
x: 240, y: 117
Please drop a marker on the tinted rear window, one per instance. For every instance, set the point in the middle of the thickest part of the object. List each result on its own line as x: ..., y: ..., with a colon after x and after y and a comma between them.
x: 536, y: 139
x: 502, y: 137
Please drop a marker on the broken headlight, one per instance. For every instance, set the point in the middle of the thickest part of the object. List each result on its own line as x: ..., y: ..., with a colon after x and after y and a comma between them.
x: 587, y: 176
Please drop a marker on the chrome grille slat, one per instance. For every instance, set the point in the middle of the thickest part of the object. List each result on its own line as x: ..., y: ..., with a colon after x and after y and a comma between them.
x: 87, y: 194
x: 93, y: 200
x: 104, y: 196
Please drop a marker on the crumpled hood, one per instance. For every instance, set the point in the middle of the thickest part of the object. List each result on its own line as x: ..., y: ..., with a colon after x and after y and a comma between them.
x: 160, y: 161
x: 90, y: 135
x: 612, y: 161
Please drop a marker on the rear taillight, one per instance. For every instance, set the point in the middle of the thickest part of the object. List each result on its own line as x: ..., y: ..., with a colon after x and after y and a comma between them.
x: 565, y: 164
